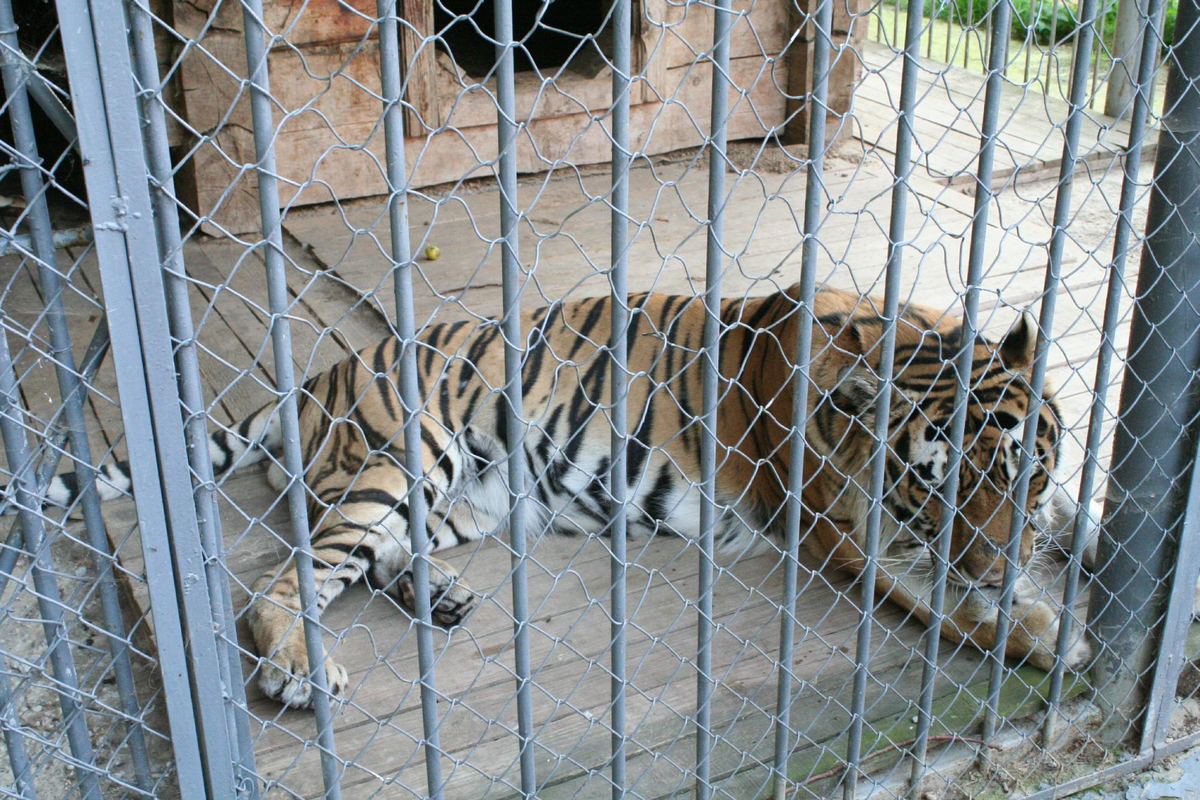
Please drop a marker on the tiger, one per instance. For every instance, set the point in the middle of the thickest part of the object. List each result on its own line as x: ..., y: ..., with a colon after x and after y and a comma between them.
x: 351, y: 421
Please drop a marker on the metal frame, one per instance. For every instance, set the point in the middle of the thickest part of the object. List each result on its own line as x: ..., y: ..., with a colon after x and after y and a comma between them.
x: 515, y: 426
x: 122, y: 129
x: 285, y: 382
x: 100, y: 65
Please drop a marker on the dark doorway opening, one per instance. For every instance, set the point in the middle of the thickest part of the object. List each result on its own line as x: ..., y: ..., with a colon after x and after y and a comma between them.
x: 550, y: 35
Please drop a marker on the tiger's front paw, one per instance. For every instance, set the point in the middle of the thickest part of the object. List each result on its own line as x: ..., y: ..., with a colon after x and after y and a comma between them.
x: 1040, y: 626
x: 285, y: 676
x: 279, y: 639
x: 450, y: 600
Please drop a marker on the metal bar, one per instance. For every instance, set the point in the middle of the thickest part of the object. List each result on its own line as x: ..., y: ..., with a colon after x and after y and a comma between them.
x: 1062, y: 213
x: 49, y: 600
x: 113, y: 256
x: 401, y: 255
x: 883, y: 404
x: 135, y: 215
x: 285, y: 382
x: 618, y: 480
x: 52, y: 107
x: 1112, y: 307
x: 40, y: 89
x: 903, y: 168
x: 14, y: 738
x: 96, y: 48
x: 72, y: 392
x: 170, y: 251
x: 1155, y: 433
x: 515, y: 425
x: 711, y: 367
x: 70, y: 237
x: 963, y: 363
x: 814, y: 197
x: 1171, y: 645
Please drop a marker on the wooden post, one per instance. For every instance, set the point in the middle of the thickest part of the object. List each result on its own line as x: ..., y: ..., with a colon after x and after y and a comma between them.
x: 844, y: 66
x: 1127, y: 47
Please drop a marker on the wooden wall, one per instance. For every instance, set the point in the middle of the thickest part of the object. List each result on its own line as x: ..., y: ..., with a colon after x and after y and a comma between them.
x: 324, y: 73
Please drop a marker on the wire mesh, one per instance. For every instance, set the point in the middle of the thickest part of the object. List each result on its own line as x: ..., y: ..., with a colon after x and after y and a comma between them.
x: 640, y: 397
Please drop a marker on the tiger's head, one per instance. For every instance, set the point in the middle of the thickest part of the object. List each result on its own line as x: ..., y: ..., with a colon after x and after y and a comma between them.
x: 919, y: 453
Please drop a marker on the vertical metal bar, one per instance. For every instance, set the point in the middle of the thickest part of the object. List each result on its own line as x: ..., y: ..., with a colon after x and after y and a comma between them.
x: 1155, y: 431
x: 1062, y: 213
x: 14, y: 740
x: 170, y: 251
x: 1112, y: 315
x: 618, y: 481
x: 507, y: 129
x: 963, y: 363
x: 814, y: 197
x: 883, y: 401
x: 101, y: 52
x: 711, y: 366
x: 285, y: 381
x: 49, y: 601
x: 401, y: 254
x: 106, y: 112
x: 72, y: 391
x: 1171, y: 645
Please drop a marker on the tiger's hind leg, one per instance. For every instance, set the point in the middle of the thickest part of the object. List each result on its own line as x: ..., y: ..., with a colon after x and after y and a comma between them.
x: 364, y: 535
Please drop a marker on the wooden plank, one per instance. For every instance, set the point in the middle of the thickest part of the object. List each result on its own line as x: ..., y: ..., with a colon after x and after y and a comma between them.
x: 567, y: 651
x: 682, y: 34
x: 319, y: 162
x: 566, y: 229
x: 419, y: 68
x: 302, y: 22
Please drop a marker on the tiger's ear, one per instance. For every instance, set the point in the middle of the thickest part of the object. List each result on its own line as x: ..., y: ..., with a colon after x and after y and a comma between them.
x: 1017, y: 348
x: 854, y: 394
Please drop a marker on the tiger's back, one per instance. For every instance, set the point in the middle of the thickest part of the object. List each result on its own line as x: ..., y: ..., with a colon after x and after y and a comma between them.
x: 353, y: 413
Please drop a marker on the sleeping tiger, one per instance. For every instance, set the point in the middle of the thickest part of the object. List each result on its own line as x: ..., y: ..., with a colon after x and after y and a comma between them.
x: 351, y: 418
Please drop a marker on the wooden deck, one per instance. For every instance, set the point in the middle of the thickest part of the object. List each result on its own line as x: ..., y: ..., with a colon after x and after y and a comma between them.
x: 948, y: 121
x: 342, y: 290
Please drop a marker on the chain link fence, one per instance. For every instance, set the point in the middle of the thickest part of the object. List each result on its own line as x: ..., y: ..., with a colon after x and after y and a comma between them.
x: 464, y: 398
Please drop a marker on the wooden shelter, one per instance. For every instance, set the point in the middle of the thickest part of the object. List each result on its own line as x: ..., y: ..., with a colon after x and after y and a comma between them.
x: 324, y: 77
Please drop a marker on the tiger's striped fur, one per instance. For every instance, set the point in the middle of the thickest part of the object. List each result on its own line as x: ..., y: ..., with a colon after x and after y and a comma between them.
x: 351, y: 418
